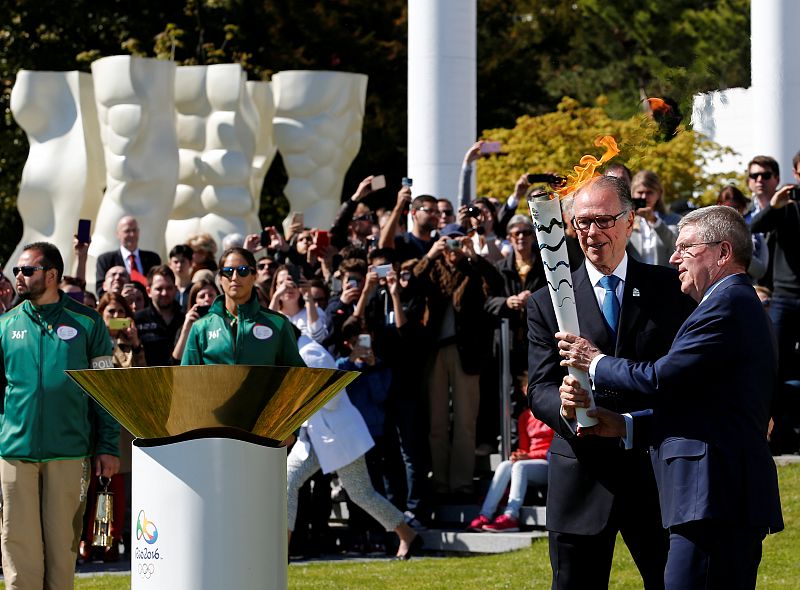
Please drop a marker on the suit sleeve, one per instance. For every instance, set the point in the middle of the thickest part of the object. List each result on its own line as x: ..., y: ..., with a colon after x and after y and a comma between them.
x: 544, y: 371
x: 698, y: 351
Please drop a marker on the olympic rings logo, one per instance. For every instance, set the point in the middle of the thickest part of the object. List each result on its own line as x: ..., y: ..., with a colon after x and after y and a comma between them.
x: 146, y: 570
x: 146, y: 529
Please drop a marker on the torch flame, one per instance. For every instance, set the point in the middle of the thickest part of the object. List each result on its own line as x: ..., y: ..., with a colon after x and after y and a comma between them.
x: 588, y: 166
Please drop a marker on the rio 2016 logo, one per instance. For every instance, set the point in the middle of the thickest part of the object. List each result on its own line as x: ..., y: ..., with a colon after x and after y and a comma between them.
x: 146, y: 529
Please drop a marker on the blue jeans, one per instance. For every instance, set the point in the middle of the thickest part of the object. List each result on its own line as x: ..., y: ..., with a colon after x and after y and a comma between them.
x: 520, y: 473
x: 785, y: 315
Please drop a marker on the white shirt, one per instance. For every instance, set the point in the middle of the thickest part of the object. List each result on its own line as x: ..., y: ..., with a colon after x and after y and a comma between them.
x: 595, y: 275
x: 126, y: 257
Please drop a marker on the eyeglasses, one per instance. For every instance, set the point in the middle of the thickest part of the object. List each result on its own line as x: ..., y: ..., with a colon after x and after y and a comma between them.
x: 682, y: 248
x: 27, y: 271
x: 242, y: 270
x: 767, y: 175
x: 446, y: 212
x: 523, y: 232
x: 601, y: 221
x: 368, y: 217
x: 430, y: 210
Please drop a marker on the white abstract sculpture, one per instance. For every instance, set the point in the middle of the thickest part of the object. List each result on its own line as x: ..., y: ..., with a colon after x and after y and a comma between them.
x: 63, y: 177
x: 217, y: 125
x: 317, y: 129
x: 264, y: 104
x: 135, y: 98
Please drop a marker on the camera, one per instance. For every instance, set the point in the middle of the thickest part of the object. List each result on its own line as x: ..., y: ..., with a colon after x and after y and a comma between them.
x: 473, y: 211
x: 639, y: 203
x: 794, y: 193
x: 453, y: 245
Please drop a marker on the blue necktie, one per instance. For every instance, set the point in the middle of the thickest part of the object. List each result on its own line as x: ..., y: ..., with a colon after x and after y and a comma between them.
x: 610, y: 302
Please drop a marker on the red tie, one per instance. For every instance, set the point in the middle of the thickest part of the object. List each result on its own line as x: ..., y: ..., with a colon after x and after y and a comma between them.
x: 135, y: 274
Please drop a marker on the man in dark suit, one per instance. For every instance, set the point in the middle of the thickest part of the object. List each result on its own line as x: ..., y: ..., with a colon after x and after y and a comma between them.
x: 596, y: 488
x: 137, y: 262
x: 717, y: 481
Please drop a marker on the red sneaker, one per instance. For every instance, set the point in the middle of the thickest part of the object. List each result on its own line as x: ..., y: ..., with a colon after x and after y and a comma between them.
x: 478, y: 523
x: 503, y: 524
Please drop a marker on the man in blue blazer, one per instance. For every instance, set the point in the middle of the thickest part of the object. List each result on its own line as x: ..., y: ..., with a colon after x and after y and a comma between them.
x: 711, y: 395
x: 596, y: 488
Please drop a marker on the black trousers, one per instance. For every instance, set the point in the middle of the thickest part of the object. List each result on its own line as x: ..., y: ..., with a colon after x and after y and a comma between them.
x: 584, y: 561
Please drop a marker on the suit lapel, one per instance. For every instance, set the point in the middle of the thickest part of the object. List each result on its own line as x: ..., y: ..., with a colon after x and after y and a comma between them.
x: 592, y: 324
x: 631, y: 297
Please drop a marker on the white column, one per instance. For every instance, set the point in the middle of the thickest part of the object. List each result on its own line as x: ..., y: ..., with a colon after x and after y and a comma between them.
x: 442, y: 42
x: 775, y: 45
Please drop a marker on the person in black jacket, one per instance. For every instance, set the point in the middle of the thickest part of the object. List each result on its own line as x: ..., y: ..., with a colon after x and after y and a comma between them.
x: 456, y: 282
x: 522, y: 274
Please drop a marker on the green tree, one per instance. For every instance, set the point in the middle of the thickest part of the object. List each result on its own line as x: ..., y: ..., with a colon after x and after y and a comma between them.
x: 554, y: 142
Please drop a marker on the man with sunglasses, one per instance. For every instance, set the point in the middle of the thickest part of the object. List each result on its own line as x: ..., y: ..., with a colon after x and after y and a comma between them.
x: 417, y: 242
x: 779, y: 219
x: 50, y: 427
x: 353, y: 223
x: 629, y: 309
x: 763, y: 177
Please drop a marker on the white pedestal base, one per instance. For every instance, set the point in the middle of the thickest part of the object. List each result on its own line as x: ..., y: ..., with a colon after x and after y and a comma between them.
x: 208, y: 513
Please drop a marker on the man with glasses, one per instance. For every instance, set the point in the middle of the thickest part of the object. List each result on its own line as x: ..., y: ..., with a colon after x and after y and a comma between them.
x: 711, y: 393
x: 629, y: 309
x: 779, y: 218
x: 425, y: 220
x: 159, y: 324
x: 763, y: 177
x: 50, y: 427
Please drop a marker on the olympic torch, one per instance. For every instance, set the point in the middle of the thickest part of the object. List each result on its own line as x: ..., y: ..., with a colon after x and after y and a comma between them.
x: 549, y: 224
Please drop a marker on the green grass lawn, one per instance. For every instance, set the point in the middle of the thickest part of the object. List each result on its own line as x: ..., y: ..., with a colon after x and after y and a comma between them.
x: 529, y: 568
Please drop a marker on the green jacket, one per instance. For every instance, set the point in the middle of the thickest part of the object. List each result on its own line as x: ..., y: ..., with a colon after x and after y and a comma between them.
x: 263, y: 337
x: 45, y: 415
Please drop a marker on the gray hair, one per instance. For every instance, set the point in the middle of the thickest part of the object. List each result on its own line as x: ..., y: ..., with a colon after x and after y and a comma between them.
x: 618, y: 185
x: 718, y: 223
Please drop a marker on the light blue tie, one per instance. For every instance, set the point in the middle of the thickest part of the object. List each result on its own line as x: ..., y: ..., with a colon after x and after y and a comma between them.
x: 610, y: 302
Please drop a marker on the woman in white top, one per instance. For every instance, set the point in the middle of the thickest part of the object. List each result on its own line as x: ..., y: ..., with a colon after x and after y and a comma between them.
x: 655, y: 230
x: 336, y: 439
x: 298, y: 304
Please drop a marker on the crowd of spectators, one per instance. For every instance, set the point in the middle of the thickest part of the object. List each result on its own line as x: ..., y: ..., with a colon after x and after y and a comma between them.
x: 411, y: 296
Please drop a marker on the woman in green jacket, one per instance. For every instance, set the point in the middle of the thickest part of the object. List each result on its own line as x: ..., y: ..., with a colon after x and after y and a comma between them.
x: 237, y: 330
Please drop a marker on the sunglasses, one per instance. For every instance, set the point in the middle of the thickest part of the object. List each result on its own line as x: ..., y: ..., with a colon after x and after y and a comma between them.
x: 765, y: 175
x: 429, y: 210
x: 27, y: 271
x: 264, y: 265
x: 368, y: 217
x: 522, y: 232
x: 242, y: 270
x: 446, y: 212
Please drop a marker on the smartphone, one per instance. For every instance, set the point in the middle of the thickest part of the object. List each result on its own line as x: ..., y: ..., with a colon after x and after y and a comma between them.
x: 264, y: 241
x: 119, y: 323
x: 297, y: 218
x: 322, y: 239
x: 794, y: 193
x: 407, y: 181
x: 639, y: 203
x: 352, y: 283
x: 382, y: 270
x: 84, y: 231
x: 490, y: 147
x: 378, y: 182
x: 202, y: 310
x: 294, y: 272
x: 364, y: 340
